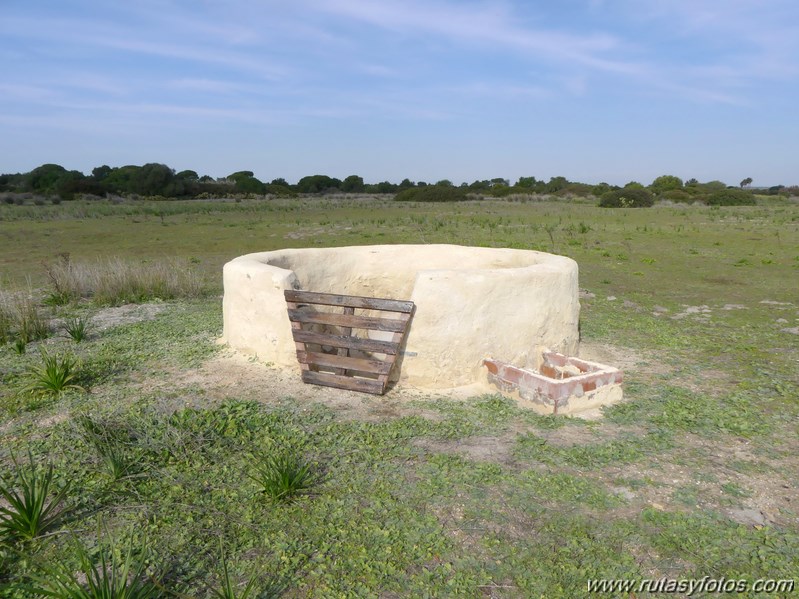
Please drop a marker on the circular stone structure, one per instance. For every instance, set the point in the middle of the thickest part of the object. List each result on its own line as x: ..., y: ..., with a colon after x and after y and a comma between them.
x: 471, y: 303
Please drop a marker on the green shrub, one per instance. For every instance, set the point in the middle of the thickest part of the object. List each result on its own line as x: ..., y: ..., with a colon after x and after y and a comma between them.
x: 677, y: 195
x: 629, y: 197
x: 432, y: 193
x: 281, y: 191
x: 731, y: 197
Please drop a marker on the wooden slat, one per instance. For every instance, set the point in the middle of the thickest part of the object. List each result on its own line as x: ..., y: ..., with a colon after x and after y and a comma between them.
x: 356, y: 374
x: 396, y: 325
x: 395, y: 338
x: 296, y: 327
x: 352, y: 301
x: 370, y: 345
x: 345, y: 362
x: 343, y: 351
x: 343, y: 382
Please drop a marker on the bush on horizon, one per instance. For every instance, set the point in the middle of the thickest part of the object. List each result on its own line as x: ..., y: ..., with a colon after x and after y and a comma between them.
x: 432, y: 193
x: 629, y: 197
x: 731, y: 197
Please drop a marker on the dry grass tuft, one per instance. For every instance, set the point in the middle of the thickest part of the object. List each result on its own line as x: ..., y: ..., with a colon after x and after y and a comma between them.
x: 20, y: 318
x: 114, y: 281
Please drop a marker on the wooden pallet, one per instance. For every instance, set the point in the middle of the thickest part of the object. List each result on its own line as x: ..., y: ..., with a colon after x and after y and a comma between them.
x: 325, y: 341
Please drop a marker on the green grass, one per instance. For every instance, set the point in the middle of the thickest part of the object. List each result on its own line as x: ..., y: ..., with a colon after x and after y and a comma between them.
x: 439, y: 497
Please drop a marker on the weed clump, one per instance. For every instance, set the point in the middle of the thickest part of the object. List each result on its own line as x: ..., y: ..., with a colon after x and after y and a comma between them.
x: 283, y: 476
x: 54, y: 376
x: 77, y: 327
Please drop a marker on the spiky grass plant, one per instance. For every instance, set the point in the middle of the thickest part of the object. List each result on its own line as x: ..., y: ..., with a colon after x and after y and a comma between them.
x: 115, y: 575
x: 77, y: 327
x: 283, y: 476
x: 55, y: 375
x: 33, y: 501
x: 228, y: 590
x: 19, y: 346
x: 110, y: 444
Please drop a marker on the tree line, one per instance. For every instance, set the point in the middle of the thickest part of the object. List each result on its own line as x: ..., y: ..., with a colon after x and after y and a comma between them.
x: 159, y: 180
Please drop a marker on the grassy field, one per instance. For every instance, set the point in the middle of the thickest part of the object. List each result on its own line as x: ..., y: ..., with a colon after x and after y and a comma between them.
x: 694, y: 475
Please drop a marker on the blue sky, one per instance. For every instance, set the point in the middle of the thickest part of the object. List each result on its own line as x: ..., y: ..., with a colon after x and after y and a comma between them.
x: 593, y: 90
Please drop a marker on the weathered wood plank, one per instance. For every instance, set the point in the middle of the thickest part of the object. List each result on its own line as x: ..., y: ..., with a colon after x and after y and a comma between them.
x: 356, y: 343
x: 343, y: 351
x: 395, y: 338
x: 348, y: 320
x: 345, y: 362
x: 343, y: 382
x: 295, y: 328
x: 352, y: 301
x: 348, y: 372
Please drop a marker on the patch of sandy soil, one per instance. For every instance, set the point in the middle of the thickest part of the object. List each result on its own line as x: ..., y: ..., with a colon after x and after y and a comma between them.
x: 108, y: 318
x: 128, y: 314
x: 768, y: 494
x: 235, y: 375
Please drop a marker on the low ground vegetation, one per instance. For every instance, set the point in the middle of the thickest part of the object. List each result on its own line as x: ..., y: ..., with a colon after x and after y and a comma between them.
x: 147, y: 470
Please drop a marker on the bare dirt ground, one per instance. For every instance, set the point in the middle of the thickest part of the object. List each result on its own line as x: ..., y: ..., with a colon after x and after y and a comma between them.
x: 232, y: 374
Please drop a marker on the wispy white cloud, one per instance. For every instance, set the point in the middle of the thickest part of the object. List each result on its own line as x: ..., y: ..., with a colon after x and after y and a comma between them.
x: 744, y: 39
x: 486, y: 23
x: 503, y: 91
x: 621, y: 51
x: 25, y: 92
x: 216, y: 86
x: 394, y: 68
x: 101, y: 36
x: 377, y: 70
